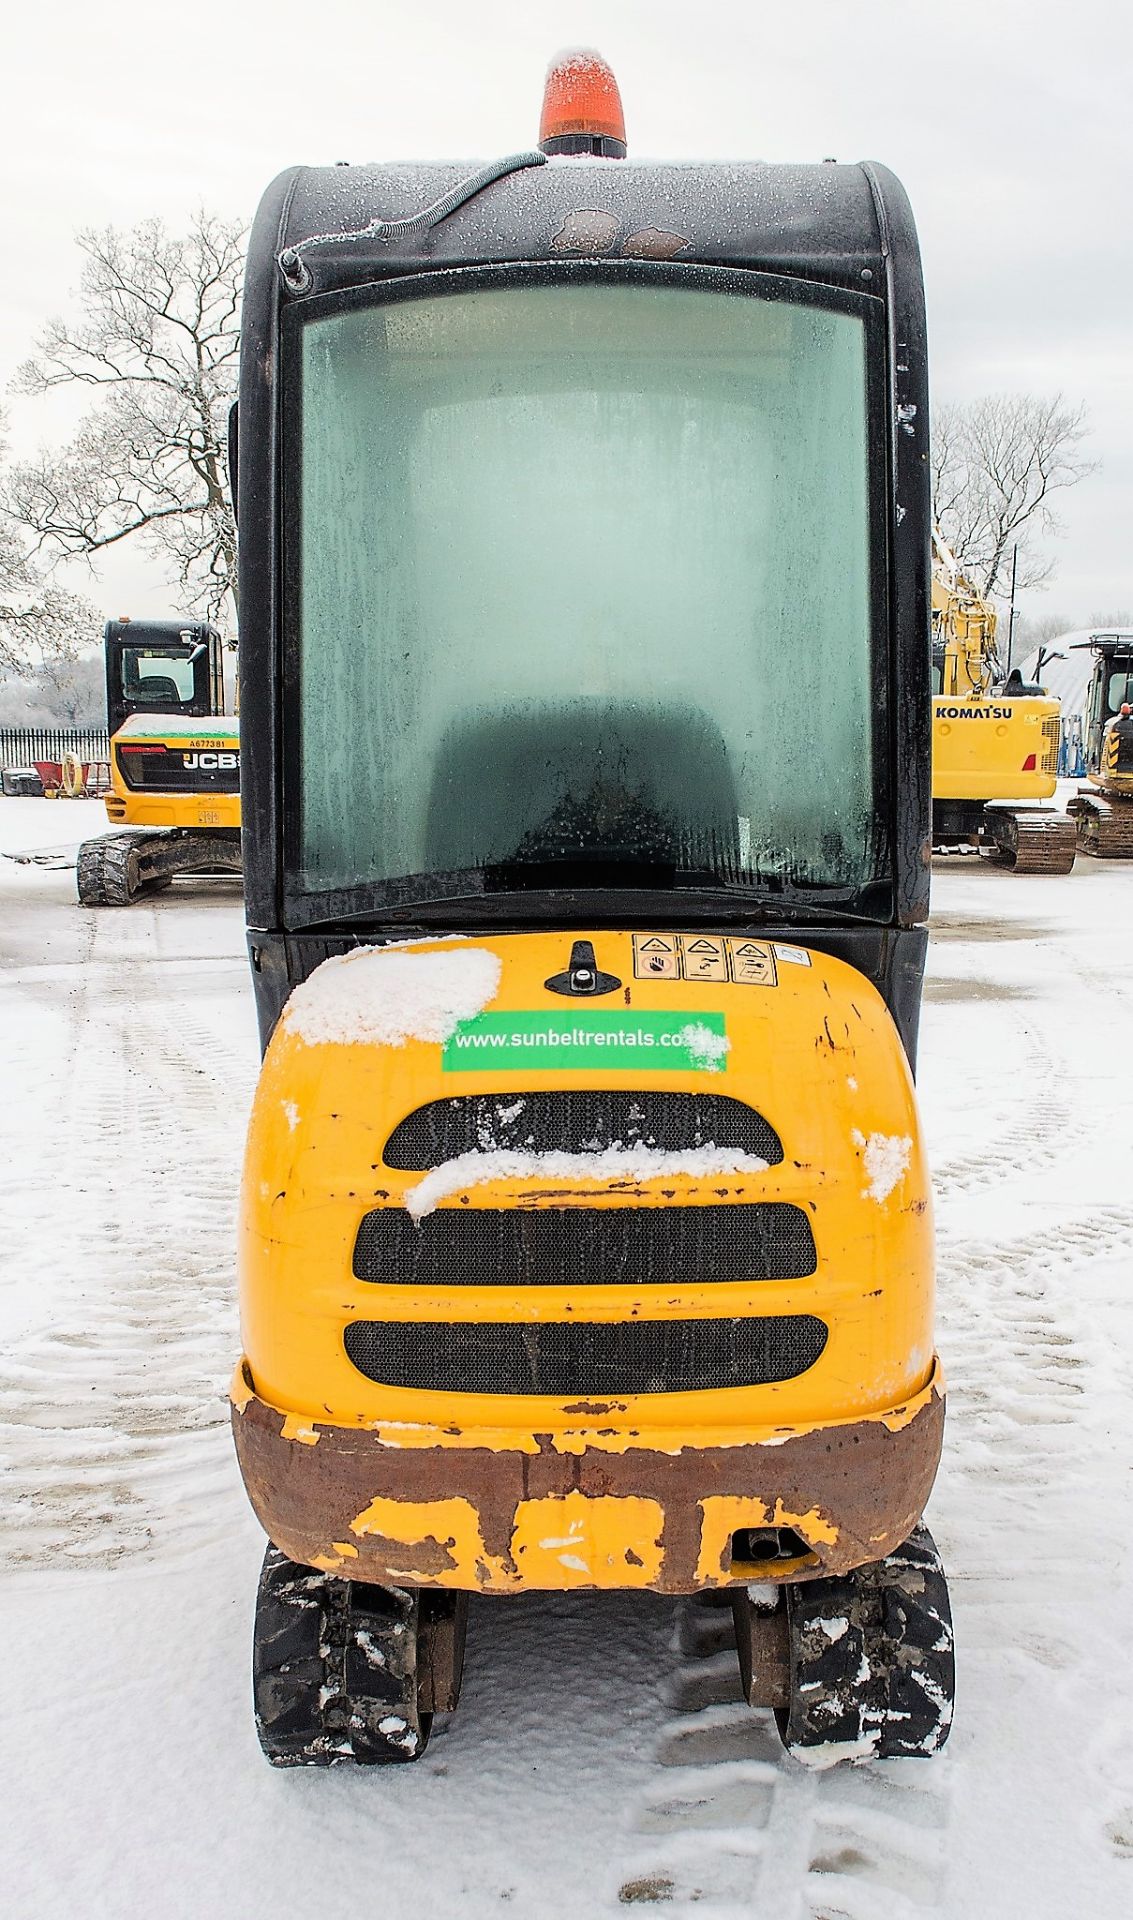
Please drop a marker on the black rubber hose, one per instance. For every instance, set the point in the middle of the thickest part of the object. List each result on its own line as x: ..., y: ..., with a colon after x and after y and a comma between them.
x: 297, y: 275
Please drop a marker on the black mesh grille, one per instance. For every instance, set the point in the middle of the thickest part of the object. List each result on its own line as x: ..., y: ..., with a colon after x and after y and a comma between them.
x: 585, y: 1246
x: 583, y: 1120
x: 631, y: 1356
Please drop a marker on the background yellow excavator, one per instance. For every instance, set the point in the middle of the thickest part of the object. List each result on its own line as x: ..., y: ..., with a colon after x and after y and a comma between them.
x: 994, y: 739
x: 1104, y: 809
x: 174, y: 763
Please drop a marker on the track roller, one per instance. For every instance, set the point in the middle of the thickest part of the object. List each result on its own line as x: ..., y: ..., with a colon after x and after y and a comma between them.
x: 343, y: 1671
x: 858, y: 1666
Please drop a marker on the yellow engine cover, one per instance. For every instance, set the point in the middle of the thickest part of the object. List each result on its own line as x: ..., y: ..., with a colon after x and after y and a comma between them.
x: 379, y: 1034
x: 984, y: 748
x: 216, y: 739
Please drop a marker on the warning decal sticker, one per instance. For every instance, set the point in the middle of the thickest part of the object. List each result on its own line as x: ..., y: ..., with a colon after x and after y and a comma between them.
x: 656, y: 956
x: 753, y: 963
x: 704, y: 956
x: 711, y: 957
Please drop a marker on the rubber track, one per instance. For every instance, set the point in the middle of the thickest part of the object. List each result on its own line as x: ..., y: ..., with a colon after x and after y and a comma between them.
x: 335, y: 1669
x: 1105, y: 827
x: 107, y: 870
x: 872, y: 1662
x: 119, y: 868
x: 1032, y: 842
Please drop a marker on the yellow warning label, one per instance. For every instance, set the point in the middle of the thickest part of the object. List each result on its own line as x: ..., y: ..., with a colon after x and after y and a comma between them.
x: 704, y: 956
x: 656, y: 956
x: 752, y: 963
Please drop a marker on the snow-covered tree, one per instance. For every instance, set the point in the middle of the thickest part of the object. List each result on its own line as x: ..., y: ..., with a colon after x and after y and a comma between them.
x: 157, y: 333
x: 996, y: 463
x: 38, y: 622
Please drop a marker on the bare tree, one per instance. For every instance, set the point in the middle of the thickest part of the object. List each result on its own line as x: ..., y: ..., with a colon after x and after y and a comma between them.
x: 996, y: 464
x: 159, y: 334
x: 38, y: 622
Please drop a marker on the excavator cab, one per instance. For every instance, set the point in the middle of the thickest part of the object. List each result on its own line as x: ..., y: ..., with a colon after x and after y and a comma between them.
x: 162, y: 666
x: 1104, y: 808
x: 585, y: 1227
x: 1110, y: 689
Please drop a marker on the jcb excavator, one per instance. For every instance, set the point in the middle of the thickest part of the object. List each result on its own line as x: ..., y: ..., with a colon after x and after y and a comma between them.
x: 1104, y: 809
x: 585, y: 1233
x: 174, y: 763
x: 994, y: 740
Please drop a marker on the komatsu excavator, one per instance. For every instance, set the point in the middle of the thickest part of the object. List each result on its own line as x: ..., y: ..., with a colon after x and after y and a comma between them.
x: 586, y: 1235
x: 174, y: 763
x: 1103, y: 810
x: 994, y: 740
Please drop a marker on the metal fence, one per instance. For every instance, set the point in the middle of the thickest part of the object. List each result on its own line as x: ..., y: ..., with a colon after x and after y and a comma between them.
x: 28, y: 746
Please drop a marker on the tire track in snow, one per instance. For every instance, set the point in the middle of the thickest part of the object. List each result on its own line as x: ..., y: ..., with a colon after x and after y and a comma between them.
x: 733, y: 1825
x: 112, y: 1415
x: 1034, y: 1141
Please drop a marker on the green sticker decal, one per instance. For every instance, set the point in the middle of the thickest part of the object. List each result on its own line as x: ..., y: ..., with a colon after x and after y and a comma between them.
x: 508, y: 1042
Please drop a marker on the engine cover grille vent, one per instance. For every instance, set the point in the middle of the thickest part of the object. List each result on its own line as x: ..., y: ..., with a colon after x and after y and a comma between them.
x: 153, y: 767
x: 634, y: 1356
x: 578, y: 1120
x: 549, y: 1246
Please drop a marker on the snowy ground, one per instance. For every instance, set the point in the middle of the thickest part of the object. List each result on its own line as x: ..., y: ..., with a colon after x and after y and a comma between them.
x: 600, y: 1758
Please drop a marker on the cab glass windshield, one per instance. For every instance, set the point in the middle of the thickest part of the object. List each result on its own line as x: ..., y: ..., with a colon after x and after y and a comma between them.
x: 580, y: 578
x: 151, y: 678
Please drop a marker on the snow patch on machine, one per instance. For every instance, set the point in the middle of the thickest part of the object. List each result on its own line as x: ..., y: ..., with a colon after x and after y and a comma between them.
x: 706, y: 1048
x: 634, y: 1163
x: 886, y: 1157
x: 385, y: 996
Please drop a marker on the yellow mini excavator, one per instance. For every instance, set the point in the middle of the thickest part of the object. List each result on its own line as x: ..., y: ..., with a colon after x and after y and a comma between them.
x: 1103, y: 810
x: 586, y: 1235
x: 174, y: 763
x: 994, y: 740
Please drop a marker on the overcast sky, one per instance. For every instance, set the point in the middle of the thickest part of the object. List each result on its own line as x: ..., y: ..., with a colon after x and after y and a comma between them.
x: 1009, y: 124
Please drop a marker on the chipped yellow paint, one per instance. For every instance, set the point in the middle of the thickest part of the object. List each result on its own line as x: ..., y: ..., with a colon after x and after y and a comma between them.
x: 722, y: 1515
x: 904, y: 1416
x: 295, y: 1427
x: 240, y: 1391
x: 600, y: 1540
x: 424, y: 1527
x: 413, y: 1433
x: 336, y: 1560
x: 616, y: 1439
